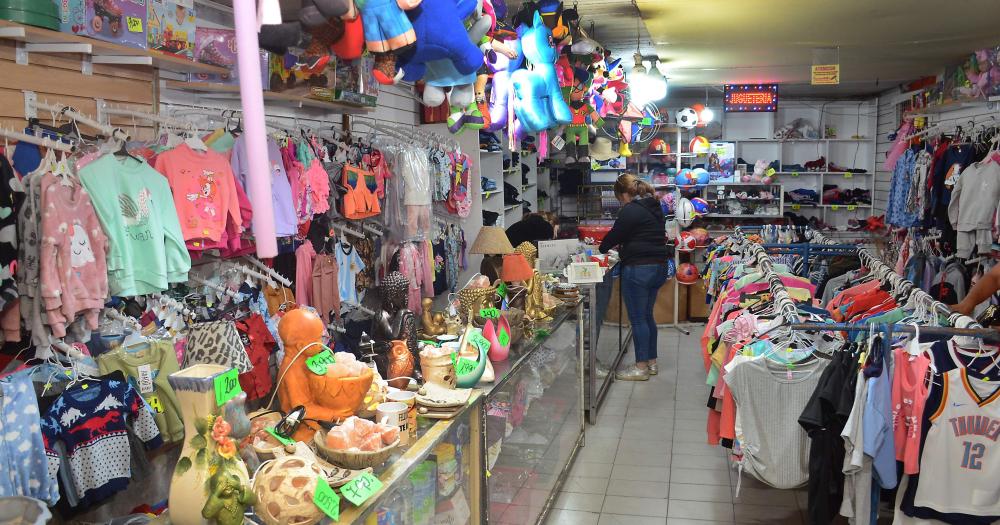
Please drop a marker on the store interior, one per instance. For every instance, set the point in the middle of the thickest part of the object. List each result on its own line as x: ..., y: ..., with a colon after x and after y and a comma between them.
x: 448, y: 262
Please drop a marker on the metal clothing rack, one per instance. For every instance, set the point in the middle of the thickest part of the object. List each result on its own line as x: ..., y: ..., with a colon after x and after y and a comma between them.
x: 985, y: 334
x: 779, y: 294
x: 909, y: 290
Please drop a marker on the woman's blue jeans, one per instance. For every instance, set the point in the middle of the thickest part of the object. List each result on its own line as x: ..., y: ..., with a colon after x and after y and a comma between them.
x: 640, y: 284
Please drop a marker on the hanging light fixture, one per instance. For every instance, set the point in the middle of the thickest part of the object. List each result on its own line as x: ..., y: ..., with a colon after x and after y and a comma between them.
x: 645, y: 85
x: 270, y: 12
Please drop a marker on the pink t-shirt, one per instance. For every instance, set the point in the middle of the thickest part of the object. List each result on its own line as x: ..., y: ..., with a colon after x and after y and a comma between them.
x: 74, y: 271
x: 204, y: 192
x: 909, y: 394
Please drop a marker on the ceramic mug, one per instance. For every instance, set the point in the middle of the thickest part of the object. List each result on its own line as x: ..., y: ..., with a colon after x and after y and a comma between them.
x: 410, y: 399
x: 394, y: 413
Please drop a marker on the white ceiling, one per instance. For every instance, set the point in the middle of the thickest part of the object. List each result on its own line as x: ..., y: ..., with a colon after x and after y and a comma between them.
x: 713, y: 42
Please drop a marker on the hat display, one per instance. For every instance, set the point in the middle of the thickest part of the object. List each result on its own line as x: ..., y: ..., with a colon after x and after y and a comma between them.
x: 492, y: 240
x: 602, y: 150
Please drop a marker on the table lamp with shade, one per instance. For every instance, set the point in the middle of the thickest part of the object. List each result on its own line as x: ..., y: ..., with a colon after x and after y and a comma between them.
x: 492, y: 244
x: 516, y: 268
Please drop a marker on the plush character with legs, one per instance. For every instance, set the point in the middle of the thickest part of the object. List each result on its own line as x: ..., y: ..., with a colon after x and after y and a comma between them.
x: 578, y: 132
x: 537, y: 101
x: 441, y: 35
x: 502, y: 67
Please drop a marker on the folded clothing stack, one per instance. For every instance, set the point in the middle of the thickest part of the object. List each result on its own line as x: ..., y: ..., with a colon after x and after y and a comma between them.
x: 802, y: 196
x: 834, y: 195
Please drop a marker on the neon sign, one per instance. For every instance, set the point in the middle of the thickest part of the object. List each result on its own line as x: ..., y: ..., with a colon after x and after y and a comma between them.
x: 751, y: 98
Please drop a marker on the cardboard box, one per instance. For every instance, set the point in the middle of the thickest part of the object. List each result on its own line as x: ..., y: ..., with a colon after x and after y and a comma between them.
x: 356, y: 82
x: 119, y: 21
x: 171, y: 27
x: 218, y: 48
x: 663, y: 309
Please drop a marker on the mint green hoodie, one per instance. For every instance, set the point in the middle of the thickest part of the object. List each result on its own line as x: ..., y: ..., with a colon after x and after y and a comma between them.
x: 136, y: 209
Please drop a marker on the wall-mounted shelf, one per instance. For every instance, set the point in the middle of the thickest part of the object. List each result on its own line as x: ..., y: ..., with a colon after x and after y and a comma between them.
x: 270, y: 97
x: 40, y: 40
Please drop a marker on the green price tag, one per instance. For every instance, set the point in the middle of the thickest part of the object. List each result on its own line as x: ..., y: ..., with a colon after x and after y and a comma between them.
x: 317, y: 364
x: 502, y: 290
x: 852, y: 207
x: 134, y: 24
x: 504, y: 337
x: 326, y: 499
x: 464, y: 366
x: 358, y: 490
x: 795, y: 174
x: 227, y: 386
x: 835, y: 207
x: 848, y: 175
x: 796, y: 207
x: 489, y: 313
x: 281, y: 439
x: 480, y: 341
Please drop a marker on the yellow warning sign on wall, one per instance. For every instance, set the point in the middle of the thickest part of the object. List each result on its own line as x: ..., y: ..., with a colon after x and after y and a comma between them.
x: 825, y: 75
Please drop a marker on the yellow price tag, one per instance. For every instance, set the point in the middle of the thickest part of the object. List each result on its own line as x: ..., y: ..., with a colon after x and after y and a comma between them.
x: 852, y: 207
x: 835, y: 207
x: 796, y: 174
x: 134, y: 24
x: 796, y: 207
x: 848, y: 175
x: 155, y: 404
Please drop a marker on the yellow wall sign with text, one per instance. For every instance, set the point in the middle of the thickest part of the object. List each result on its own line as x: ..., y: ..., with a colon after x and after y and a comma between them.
x: 826, y: 75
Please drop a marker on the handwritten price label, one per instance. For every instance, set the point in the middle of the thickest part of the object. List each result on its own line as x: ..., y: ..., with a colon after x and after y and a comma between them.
x: 358, y: 490
x: 317, y: 364
x: 835, y: 207
x: 796, y: 207
x: 155, y: 404
x: 227, y: 386
x: 502, y: 290
x: 134, y: 24
x: 489, y: 313
x: 848, y: 175
x: 796, y: 174
x: 480, y: 341
x: 504, y: 337
x: 281, y: 439
x: 326, y: 499
x: 852, y: 208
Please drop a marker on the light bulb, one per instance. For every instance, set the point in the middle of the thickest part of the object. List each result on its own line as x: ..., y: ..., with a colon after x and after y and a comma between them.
x: 706, y: 115
x: 270, y: 12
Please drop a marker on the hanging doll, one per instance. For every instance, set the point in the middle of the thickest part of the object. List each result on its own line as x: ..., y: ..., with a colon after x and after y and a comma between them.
x: 577, y: 133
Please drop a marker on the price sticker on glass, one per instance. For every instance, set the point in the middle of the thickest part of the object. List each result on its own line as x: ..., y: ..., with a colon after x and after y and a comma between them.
x: 489, y: 313
x: 358, y: 490
x: 317, y: 364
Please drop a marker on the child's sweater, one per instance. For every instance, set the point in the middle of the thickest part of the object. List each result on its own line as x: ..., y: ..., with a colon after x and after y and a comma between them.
x: 204, y: 192
x: 133, y: 202
x: 74, y: 278
x: 92, y: 420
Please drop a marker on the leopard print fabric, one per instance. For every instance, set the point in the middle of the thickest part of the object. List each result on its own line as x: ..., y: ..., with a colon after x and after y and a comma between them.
x: 216, y: 343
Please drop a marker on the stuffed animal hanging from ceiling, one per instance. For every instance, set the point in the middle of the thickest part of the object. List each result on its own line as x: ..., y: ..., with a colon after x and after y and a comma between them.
x: 502, y: 67
x: 536, y: 100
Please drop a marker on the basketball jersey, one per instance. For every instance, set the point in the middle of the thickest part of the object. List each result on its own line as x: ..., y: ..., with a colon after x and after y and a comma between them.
x: 961, y: 456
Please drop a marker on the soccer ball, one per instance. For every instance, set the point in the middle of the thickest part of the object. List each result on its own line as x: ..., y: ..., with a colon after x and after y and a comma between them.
x: 687, y: 118
x: 699, y: 144
x: 687, y: 273
x: 685, y: 213
x: 686, y: 242
x: 701, y: 236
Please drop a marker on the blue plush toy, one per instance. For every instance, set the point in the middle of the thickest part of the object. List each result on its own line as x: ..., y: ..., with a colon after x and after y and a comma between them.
x: 441, y: 35
x: 537, y: 100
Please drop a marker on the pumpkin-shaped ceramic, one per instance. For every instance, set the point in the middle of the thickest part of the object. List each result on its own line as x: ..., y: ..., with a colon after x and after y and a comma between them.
x: 344, y: 396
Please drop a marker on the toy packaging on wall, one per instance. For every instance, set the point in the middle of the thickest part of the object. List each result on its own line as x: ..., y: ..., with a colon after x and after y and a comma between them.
x: 356, y: 82
x: 218, y: 47
x: 170, y: 26
x: 299, y: 76
x: 119, y: 21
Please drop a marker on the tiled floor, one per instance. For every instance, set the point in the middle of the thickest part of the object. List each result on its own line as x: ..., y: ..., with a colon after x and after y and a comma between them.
x: 646, y: 461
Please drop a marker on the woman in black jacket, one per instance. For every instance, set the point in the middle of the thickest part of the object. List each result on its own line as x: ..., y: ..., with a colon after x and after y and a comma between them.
x: 640, y: 234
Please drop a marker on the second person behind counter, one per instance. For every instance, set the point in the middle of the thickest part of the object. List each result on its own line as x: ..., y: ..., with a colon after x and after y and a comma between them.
x: 639, y: 233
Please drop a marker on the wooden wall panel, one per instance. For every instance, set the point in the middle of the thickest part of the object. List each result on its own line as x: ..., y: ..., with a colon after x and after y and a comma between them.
x: 56, y: 79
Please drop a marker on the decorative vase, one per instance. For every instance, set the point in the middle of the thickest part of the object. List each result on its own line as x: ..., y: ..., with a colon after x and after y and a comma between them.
x: 210, y: 482
x: 438, y: 369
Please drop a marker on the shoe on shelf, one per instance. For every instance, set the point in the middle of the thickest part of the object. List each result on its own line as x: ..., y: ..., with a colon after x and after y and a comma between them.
x: 632, y: 373
x: 488, y: 184
x: 653, y: 369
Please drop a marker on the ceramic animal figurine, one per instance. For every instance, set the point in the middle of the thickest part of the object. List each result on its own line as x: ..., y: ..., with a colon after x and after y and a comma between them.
x: 537, y: 100
x: 401, y: 365
x: 228, y: 500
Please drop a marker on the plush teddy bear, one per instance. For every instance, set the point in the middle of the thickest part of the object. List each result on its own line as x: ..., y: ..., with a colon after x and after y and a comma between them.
x: 537, y: 101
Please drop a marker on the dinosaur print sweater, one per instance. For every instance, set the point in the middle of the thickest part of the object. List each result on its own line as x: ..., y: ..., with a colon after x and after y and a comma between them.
x: 92, y: 419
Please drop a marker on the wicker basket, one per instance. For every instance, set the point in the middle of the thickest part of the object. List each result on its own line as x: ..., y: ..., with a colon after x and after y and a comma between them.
x: 352, y: 459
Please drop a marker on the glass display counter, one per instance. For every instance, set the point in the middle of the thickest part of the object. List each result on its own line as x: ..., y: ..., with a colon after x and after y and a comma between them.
x: 504, y: 457
x: 603, y: 349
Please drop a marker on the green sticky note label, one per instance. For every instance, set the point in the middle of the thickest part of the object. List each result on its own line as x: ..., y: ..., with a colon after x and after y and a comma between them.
x: 504, y: 337
x: 227, y: 386
x: 502, y: 290
x: 852, y: 207
x: 134, y: 24
x: 281, y: 439
x: 317, y: 364
x: 358, y: 490
x: 326, y: 499
x: 489, y: 313
x: 796, y: 174
x: 796, y: 207
x: 835, y: 207
x: 848, y: 175
x: 480, y: 341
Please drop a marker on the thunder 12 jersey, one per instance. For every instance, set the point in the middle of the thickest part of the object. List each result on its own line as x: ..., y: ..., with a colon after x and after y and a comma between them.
x: 960, y: 460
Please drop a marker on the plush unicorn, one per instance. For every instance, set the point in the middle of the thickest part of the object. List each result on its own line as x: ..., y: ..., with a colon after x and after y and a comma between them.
x: 500, y: 92
x: 536, y: 99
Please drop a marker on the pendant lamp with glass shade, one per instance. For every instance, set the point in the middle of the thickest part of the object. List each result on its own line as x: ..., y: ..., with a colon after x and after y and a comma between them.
x: 645, y: 85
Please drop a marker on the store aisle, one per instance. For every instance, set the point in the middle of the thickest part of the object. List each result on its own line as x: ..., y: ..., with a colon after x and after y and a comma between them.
x: 646, y: 461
